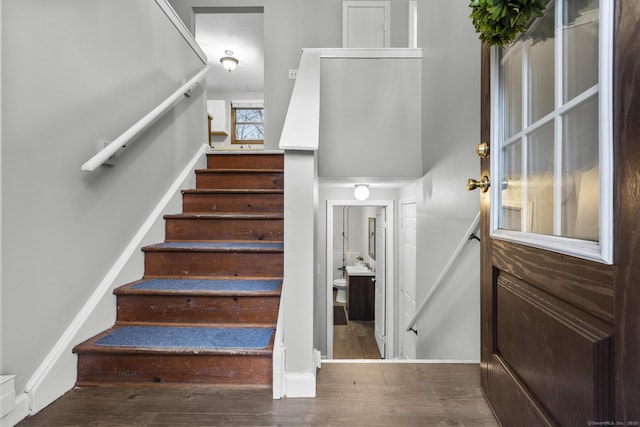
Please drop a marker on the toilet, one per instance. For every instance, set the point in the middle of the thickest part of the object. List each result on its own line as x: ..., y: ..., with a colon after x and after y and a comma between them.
x: 341, y: 286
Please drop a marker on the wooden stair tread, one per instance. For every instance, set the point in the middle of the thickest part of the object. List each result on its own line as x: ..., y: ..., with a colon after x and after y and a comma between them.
x: 240, y: 170
x: 154, y: 336
x: 246, y: 152
x: 216, y: 246
x: 202, y: 287
x: 197, y: 324
x: 233, y: 191
x: 226, y: 215
x: 181, y: 385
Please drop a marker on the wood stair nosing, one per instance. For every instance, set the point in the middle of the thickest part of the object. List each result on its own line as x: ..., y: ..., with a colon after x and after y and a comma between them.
x: 234, y: 191
x: 240, y: 170
x: 121, y: 323
x: 227, y: 215
x: 235, y: 247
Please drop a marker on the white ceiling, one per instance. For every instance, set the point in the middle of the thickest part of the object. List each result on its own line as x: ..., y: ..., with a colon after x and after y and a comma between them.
x: 242, y: 33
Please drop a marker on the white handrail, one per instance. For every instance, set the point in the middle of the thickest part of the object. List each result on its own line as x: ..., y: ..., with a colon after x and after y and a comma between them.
x: 471, y: 230
x: 108, y: 151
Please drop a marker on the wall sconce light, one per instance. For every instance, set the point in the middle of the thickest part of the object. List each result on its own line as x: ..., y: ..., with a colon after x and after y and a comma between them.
x: 361, y: 192
x: 228, y: 62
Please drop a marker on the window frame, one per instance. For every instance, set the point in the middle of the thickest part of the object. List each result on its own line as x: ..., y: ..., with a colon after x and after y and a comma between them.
x: 234, y: 123
x: 602, y: 250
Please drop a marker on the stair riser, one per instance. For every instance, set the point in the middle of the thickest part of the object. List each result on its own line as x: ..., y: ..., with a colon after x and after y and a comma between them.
x: 224, y: 203
x: 213, y: 264
x: 151, y: 369
x: 198, y: 309
x: 245, y: 161
x: 234, y: 180
x: 224, y: 229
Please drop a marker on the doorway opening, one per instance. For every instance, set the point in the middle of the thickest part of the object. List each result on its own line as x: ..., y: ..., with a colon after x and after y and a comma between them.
x: 235, y: 96
x: 360, y: 250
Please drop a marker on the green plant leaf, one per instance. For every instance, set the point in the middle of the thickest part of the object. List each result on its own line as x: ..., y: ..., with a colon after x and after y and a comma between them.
x: 498, y: 22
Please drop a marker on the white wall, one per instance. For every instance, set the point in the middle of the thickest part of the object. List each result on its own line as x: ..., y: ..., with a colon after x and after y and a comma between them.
x: 74, y: 72
x: 451, y: 129
x: 370, y: 118
x: 290, y: 26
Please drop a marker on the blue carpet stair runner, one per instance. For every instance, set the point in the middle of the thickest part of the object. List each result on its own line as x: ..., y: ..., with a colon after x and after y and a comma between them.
x: 178, y: 337
x: 204, y: 285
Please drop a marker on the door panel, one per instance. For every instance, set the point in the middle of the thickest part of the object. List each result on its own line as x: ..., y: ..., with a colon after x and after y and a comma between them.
x: 557, y: 351
x: 561, y: 335
x: 365, y: 24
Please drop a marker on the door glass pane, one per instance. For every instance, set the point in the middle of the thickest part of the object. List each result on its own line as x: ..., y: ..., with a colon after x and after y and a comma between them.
x: 580, y: 53
x: 553, y: 164
x: 512, y: 72
x: 540, y: 180
x: 541, y: 44
x: 581, y: 175
x: 511, y: 195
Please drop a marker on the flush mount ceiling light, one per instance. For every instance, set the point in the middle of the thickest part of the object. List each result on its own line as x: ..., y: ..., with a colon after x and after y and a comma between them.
x: 228, y: 62
x: 361, y: 192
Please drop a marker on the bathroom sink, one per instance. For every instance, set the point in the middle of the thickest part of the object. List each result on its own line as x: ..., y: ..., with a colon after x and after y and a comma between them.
x: 354, y: 270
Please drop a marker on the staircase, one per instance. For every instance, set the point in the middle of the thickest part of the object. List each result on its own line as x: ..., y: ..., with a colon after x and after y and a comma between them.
x: 206, y: 309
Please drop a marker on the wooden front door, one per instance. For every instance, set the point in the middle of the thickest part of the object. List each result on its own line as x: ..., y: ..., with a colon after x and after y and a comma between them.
x: 560, y: 333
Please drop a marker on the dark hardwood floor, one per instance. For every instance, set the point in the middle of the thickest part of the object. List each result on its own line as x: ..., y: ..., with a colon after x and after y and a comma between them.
x: 355, y: 340
x: 348, y: 394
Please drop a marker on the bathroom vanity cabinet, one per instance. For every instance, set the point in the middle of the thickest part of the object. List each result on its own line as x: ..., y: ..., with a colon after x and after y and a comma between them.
x: 361, y: 297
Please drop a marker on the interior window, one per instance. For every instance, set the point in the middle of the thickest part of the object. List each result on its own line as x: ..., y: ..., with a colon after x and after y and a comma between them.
x: 247, y: 125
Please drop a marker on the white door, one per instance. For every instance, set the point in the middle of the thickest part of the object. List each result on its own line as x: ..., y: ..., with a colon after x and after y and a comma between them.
x: 407, y: 277
x: 365, y: 24
x: 380, y: 312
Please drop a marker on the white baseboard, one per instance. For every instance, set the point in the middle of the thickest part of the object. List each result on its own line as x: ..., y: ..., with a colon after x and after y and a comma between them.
x: 300, y: 384
x: 20, y: 412
x: 65, y: 341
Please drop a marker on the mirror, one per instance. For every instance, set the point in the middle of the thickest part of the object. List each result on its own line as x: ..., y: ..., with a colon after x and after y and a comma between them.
x: 372, y: 238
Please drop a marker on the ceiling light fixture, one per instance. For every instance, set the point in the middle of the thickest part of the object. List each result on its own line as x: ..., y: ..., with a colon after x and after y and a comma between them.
x: 228, y: 62
x: 361, y: 192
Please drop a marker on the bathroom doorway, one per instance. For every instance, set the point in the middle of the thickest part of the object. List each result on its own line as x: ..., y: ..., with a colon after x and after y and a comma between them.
x: 360, y: 248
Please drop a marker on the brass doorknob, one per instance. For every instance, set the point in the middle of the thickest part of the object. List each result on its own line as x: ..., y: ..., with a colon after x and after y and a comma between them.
x: 482, y: 150
x: 483, y: 184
